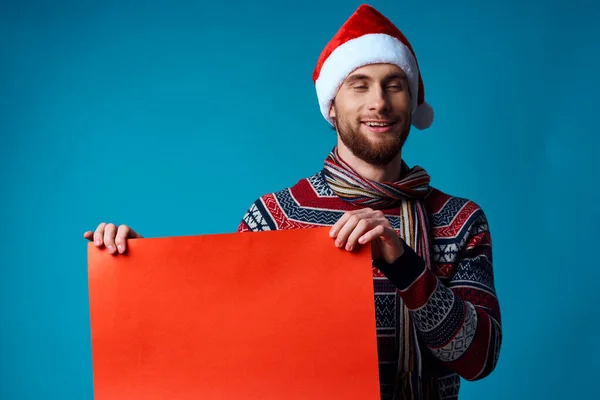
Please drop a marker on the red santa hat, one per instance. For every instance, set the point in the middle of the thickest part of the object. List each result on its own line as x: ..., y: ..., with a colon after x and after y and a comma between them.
x: 368, y: 37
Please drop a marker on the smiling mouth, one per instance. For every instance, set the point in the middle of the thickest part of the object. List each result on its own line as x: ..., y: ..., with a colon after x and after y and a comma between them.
x: 380, y: 127
x: 378, y: 124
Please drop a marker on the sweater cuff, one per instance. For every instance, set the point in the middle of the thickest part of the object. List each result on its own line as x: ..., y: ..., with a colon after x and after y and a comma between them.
x: 405, y: 270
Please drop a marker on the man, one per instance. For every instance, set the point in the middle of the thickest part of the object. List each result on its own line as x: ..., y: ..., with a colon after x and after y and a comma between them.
x: 438, y: 316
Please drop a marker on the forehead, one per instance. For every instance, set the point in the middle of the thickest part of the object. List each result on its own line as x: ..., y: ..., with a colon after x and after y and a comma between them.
x: 377, y: 71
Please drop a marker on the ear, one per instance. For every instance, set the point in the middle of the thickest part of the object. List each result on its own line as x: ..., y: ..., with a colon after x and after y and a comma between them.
x: 332, y: 111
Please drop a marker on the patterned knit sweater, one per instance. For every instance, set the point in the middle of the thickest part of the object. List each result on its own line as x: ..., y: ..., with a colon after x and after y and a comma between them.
x: 454, y: 305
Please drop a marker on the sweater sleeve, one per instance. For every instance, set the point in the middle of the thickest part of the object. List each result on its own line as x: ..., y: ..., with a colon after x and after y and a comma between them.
x: 256, y: 219
x: 460, y: 321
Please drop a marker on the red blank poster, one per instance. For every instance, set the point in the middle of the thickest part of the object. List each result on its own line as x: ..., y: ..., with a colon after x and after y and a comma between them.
x: 262, y: 315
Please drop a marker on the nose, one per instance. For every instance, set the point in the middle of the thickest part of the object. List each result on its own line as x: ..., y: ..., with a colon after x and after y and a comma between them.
x: 378, y: 100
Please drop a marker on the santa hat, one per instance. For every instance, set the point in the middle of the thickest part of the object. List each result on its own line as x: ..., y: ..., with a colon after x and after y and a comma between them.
x: 368, y: 37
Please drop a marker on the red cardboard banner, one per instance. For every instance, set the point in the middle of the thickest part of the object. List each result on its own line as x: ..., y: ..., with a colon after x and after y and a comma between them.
x: 261, y: 315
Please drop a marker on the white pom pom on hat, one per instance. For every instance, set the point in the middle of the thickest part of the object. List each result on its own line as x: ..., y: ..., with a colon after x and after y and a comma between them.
x: 422, y: 118
x: 368, y: 37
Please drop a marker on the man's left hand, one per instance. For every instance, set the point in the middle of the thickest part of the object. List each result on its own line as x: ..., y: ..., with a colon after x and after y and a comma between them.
x: 366, y: 225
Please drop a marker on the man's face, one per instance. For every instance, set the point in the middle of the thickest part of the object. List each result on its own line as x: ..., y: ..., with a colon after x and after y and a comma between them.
x: 372, y: 112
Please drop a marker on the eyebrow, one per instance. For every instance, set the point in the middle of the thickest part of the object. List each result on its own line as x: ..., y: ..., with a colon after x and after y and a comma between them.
x: 396, y: 76
x: 358, y: 77
x: 361, y: 77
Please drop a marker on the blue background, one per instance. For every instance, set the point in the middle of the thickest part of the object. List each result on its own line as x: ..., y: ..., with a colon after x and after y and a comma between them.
x: 172, y: 117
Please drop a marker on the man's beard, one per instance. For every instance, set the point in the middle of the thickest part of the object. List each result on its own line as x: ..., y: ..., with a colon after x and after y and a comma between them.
x: 379, y: 152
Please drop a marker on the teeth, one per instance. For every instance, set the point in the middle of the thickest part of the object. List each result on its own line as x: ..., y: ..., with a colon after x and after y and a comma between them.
x: 377, y: 124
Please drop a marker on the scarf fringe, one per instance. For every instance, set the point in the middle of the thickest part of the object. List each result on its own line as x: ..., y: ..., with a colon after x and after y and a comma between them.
x: 411, y: 386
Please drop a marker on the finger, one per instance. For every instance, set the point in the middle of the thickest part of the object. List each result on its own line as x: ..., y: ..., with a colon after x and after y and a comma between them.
x: 348, y: 228
x: 110, y: 231
x: 121, y: 238
x: 363, y: 226
x: 99, y: 234
x: 379, y: 218
x: 335, y: 229
x: 89, y: 235
x: 378, y: 232
x: 339, y: 223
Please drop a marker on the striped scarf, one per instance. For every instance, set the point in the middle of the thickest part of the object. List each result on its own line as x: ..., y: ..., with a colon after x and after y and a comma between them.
x: 407, y: 194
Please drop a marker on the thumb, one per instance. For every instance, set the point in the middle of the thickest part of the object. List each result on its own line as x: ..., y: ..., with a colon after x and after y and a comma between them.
x: 134, y: 235
x: 389, y: 235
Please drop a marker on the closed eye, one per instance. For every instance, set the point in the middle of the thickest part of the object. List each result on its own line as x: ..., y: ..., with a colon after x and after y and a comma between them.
x: 395, y: 87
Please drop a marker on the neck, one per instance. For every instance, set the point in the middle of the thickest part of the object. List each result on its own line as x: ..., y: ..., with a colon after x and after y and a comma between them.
x: 379, y: 173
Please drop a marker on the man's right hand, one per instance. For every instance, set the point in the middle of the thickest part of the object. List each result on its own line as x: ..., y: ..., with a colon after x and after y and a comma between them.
x: 111, y: 236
